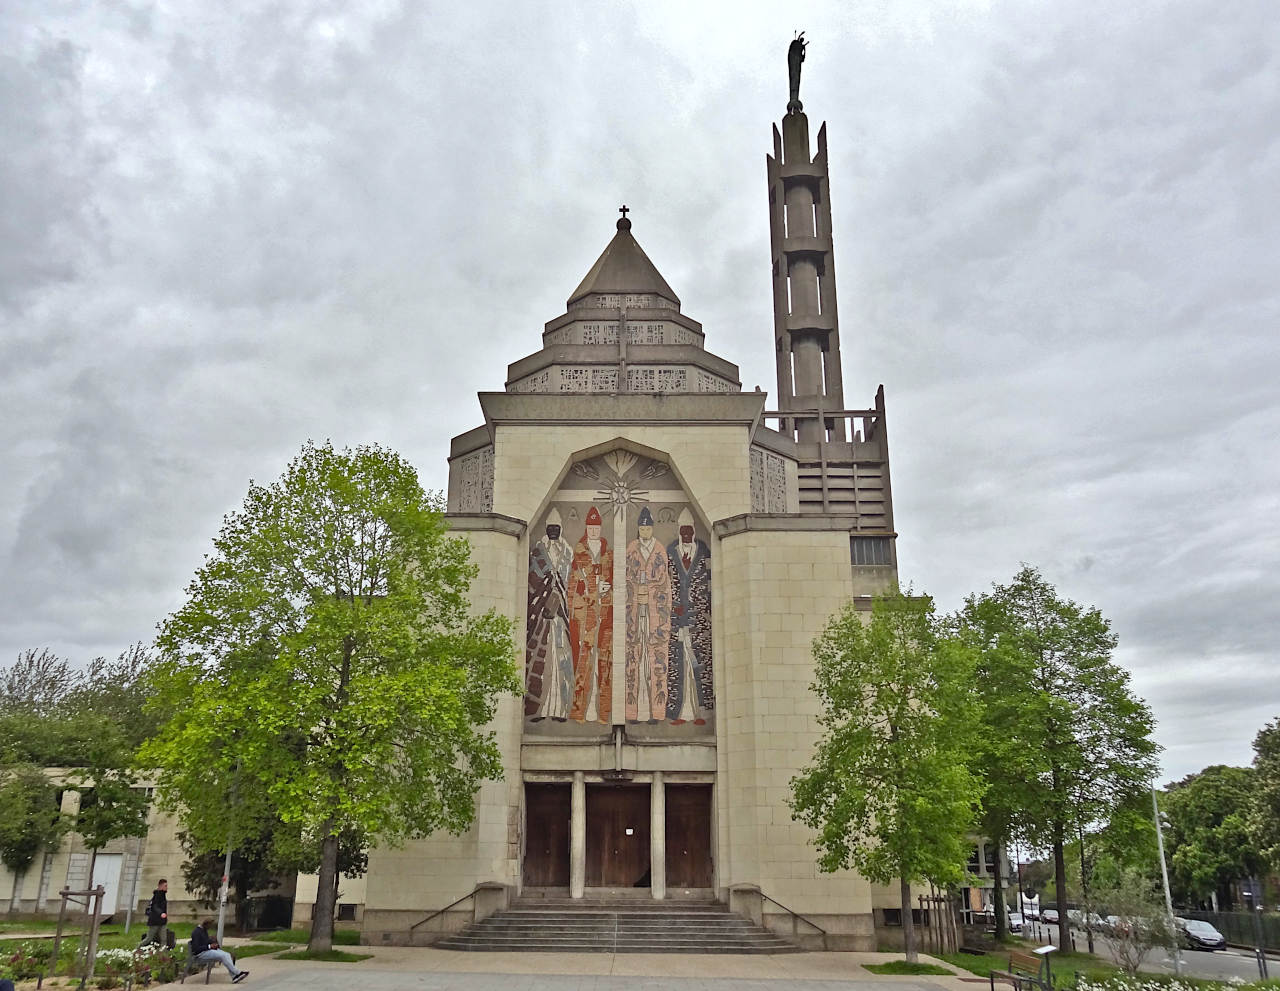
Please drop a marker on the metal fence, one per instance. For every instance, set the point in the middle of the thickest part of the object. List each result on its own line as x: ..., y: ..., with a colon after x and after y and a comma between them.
x: 1242, y: 928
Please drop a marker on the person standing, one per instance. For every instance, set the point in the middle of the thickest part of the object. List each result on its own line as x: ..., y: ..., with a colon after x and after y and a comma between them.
x: 591, y: 623
x: 206, y: 950
x: 648, y: 624
x: 690, y: 694
x: 549, y: 656
x: 157, y: 915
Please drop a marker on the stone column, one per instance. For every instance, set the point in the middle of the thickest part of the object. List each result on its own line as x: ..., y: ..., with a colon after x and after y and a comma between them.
x: 658, y: 836
x: 578, y: 836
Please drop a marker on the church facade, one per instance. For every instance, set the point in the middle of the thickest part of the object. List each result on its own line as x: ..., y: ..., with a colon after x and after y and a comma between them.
x: 669, y: 546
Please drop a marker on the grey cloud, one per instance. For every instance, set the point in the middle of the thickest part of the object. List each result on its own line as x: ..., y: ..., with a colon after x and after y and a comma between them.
x: 240, y: 227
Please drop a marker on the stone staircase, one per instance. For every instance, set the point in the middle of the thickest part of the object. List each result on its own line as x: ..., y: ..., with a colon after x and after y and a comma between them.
x: 564, y: 925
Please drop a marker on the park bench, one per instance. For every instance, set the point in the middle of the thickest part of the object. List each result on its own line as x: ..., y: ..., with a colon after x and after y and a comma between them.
x: 1027, y: 972
x: 193, y: 966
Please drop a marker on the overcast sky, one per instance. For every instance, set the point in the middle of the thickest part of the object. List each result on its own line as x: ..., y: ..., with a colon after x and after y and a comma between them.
x: 1057, y: 233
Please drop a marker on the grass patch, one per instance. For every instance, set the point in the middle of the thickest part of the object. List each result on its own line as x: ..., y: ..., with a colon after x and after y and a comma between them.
x: 333, y: 956
x: 902, y: 967
x: 341, y: 937
x: 1065, y: 967
x: 28, y: 926
x: 254, y: 950
x: 981, y: 964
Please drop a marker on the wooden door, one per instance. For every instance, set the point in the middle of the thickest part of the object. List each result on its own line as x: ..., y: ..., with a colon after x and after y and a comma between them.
x: 689, y: 836
x: 617, y: 836
x: 546, y: 849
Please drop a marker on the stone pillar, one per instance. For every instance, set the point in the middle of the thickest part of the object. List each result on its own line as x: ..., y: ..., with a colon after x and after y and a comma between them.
x: 658, y: 836
x: 578, y: 836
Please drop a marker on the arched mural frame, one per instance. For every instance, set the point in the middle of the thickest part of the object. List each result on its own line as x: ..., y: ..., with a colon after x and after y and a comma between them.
x: 669, y: 671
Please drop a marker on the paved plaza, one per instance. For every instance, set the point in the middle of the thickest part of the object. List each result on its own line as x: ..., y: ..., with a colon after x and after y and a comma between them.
x: 394, y: 968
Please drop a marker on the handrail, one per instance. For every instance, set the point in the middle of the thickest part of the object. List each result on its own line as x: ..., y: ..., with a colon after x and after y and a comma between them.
x: 797, y: 915
x: 469, y: 894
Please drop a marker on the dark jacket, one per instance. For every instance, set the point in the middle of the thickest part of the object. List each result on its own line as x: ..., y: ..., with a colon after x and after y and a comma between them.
x: 157, y: 908
x: 200, y: 941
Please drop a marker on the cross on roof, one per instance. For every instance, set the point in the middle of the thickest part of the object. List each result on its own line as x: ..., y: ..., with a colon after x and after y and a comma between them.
x: 624, y: 210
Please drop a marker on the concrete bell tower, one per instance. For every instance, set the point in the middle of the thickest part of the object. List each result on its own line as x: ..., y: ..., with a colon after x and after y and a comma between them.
x: 806, y: 326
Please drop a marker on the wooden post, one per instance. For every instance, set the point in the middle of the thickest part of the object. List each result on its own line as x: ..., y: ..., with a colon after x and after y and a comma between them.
x: 91, y: 951
x: 57, y: 936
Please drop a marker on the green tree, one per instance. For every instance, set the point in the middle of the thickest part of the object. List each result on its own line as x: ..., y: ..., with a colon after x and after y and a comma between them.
x: 1006, y: 755
x: 112, y: 805
x: 258, y: 862
x: 48, y: 741
x: 1142, y: 921
x: 1264, y: 818
x: 889, y: 791
x: 36, y: 683
x: 326, y: 668
x: 117, y: 691
x: 30, y: 821
x: 53, y: 716
x: 1210, y: 844
x: 1093, y: 751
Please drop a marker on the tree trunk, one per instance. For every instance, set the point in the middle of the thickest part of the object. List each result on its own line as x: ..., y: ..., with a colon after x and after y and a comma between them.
x: 1002, y: 928
x: 908, y: 924
x: 1060, y: 883
x: 322, y: 914
x: 1084, y: 892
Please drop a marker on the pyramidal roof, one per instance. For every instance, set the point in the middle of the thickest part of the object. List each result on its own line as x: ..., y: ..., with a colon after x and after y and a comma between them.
x: 623, y: 267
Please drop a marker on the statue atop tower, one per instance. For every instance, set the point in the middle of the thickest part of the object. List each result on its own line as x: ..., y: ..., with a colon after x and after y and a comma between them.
x: 795, y: 56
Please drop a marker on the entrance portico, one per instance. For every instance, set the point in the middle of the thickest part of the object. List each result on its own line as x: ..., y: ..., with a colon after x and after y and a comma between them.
x: 591, y: 832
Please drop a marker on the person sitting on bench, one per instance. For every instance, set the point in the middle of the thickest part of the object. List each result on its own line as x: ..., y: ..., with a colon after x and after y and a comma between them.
x: 205, y: 950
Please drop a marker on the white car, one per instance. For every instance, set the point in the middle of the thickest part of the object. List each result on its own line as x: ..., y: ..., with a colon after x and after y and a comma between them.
x: 1015, y: 922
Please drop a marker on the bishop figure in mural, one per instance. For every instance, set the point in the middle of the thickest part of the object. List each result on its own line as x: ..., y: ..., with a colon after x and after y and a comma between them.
x: 690, y: 691
x: 591, y: 624
x: 648, y: 623
x: 548, y: 653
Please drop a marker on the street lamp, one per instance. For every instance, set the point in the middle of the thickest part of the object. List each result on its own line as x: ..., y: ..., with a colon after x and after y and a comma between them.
x: 1164, y: 876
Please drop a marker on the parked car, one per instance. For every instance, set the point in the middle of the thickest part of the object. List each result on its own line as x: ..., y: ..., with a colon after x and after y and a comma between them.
x: 1033, y: 915
x: 1049, y: 915
x: 1111, y: 925
x: 1015, y: 922
x: 1196, y: 935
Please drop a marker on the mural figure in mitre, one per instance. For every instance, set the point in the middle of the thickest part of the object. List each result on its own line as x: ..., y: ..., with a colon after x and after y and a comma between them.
x: 548, y: 652
x: 648, y: 623
x: 690, y: 690
x: 591, y: 624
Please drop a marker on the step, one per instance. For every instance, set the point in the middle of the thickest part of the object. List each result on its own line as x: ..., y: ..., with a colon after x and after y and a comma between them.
x: 616, y: 925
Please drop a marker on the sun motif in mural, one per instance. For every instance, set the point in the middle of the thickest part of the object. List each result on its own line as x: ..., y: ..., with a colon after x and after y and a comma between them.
x: 614, y: 496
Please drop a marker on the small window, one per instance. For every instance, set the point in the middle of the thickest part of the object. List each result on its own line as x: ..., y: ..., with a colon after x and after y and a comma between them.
x: 975, y: 860
x: 870, y: 550
x: 893, y: 916
x: 346, y: 911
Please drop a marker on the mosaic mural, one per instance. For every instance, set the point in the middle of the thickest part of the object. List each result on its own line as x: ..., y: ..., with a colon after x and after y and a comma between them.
x: 662, y: 576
